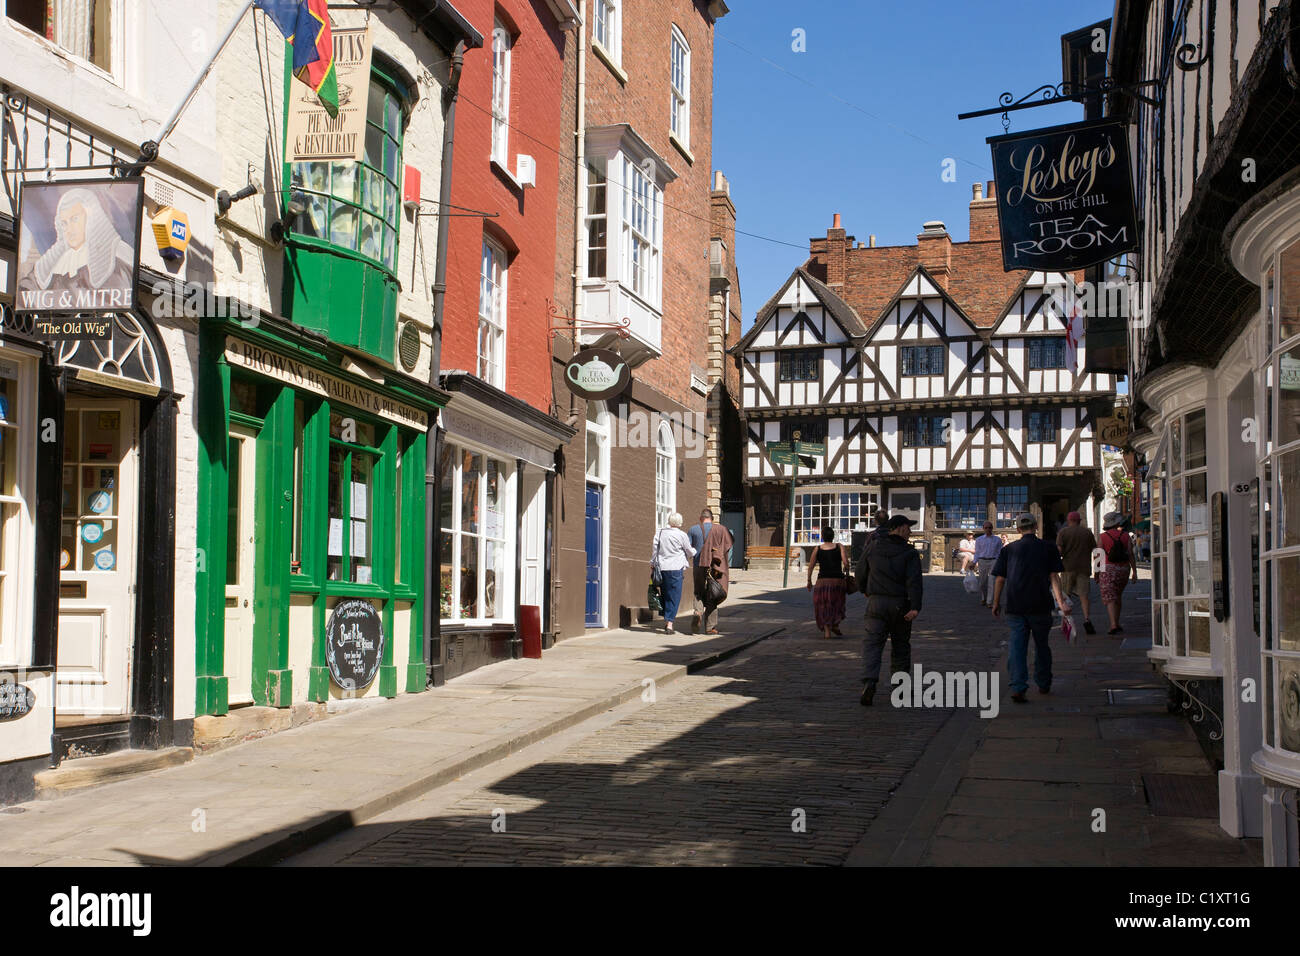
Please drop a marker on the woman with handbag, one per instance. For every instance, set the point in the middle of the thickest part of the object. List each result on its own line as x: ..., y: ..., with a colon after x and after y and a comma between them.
x: 713, y: 568
x: 832, y: 583
x: 669, y: 559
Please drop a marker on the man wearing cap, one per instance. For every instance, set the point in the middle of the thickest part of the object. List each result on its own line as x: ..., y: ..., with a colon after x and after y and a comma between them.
x: 889, y: 574
x: 1076, y: 543
x: 987, y: 548
x: 1026, y: 577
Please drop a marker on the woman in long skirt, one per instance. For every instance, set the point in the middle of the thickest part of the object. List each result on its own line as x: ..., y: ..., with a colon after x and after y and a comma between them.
x: 829, y: 592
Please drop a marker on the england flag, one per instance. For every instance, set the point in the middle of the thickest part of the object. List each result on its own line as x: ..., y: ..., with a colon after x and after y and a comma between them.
x: 1073, y: 318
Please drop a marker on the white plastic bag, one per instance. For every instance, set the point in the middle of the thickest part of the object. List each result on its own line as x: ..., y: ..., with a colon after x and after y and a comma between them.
x: 972, y: 582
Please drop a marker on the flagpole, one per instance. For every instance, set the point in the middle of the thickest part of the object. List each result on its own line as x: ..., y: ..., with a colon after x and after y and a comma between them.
x: 149, y: 148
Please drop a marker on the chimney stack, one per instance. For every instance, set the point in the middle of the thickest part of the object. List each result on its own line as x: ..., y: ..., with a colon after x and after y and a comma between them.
x: 984, y: 214
x: 871, y: 239
x: 836, y: 251
x: 720, y: 184
x: 934, y: 251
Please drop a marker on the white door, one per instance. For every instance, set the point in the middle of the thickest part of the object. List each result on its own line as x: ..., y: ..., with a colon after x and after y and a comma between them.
x: 97, y: 580
x: 532, y: 529
x: 242, y: 463
x: 910, y: 502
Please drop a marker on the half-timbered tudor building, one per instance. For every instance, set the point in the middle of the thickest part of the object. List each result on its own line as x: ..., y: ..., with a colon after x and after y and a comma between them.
x: 937, y: 382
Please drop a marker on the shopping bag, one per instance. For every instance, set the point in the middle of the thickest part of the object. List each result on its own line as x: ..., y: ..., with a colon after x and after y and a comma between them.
x: 1067, y: 629
x: 971, y: 582
x: 653, y: 599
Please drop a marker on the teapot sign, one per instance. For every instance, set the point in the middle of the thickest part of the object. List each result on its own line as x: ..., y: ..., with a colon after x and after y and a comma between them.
x: 595, y: 374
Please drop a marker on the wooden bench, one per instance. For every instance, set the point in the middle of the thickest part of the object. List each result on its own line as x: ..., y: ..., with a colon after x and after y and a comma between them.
x: 772, y: 553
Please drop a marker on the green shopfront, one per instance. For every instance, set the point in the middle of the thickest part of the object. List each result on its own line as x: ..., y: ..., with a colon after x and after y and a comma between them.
x: 313, y: 499
x: 312, y: 541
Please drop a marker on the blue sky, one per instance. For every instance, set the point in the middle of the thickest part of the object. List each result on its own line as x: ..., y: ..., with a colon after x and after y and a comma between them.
x: 795, y: 152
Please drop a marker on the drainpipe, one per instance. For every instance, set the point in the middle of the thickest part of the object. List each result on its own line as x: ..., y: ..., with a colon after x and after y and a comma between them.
x: 433, y: 450
x: 580, y: 200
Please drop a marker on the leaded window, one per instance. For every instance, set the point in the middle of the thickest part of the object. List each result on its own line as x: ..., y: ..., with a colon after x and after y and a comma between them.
x: 923, y: 359
x: 804, y: 365
x: 923, y: 431
x: 960, y: 507
x: 1047, y: 353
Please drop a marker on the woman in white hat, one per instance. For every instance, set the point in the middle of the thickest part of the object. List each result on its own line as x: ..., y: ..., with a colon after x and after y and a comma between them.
x: 1117, y: 568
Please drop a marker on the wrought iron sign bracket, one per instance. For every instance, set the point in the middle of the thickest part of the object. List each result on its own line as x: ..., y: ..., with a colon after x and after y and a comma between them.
x: 1196, y: 709
x: 569, y: 324
x: 1049, y: 95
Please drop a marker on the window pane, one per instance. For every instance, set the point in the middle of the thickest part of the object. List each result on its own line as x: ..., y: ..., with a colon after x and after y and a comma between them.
x: 344, y: 184
x: 372, y: 193
x: 469, y: 605
x: 447, y: 576
x: 1288, y: 603
x: 1288, y: 397
x: 360, y: 546
x: 471, y: 471
x: 1196, y: 440
x: 447, y: 458
x: 372, y: 237
x: 343, y: 226
x: 1198, y: 512
x: 493, y: 576
x: 334, y: 555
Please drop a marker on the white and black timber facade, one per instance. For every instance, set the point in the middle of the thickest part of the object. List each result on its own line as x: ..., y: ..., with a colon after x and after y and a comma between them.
x: 937, y: 382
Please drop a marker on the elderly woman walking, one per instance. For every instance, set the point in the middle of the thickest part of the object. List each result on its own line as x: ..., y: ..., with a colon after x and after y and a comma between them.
x: 829, y: 592
x: 671, y: 557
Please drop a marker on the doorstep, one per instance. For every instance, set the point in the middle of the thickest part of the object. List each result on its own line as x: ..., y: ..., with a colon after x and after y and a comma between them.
x: 242, y: 724
x: 82, y: 772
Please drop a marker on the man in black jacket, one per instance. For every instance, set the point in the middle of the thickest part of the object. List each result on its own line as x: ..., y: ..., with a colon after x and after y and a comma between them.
x: 889, y: 574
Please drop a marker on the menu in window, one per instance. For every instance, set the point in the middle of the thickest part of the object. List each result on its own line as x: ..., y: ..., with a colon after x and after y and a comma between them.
x: 335, y: 548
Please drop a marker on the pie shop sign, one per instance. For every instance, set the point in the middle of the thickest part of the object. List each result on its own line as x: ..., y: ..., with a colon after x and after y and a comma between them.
x: 1065, y: 196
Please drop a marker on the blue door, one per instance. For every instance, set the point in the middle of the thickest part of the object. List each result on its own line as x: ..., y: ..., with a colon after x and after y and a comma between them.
x: 595, y: 538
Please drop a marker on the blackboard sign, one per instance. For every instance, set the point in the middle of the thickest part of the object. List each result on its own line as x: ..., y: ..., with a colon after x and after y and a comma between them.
x: 16, y: 700
x: 1065, y: 196
x: 354, y: 643
x: 1219, y: 554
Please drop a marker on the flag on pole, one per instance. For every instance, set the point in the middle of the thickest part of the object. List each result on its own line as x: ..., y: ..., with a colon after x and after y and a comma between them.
x: 1073, y: 331
x: 306, y: 27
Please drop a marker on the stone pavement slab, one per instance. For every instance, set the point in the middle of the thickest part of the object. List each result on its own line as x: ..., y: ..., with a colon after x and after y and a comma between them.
x: 257, y: 800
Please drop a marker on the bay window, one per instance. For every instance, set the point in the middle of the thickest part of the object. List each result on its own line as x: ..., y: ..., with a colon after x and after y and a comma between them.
x: 597, y: 220
x: 1182, y: 599
x: 641, y: 266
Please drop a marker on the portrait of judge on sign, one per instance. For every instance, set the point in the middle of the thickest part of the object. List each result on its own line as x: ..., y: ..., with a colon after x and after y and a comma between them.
x: 78, y: 245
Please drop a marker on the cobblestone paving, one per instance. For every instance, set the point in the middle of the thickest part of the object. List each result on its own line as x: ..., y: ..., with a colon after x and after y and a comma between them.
x: 721, y: 769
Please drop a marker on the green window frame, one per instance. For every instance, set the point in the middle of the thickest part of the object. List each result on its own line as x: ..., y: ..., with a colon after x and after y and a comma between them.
x: 356, y: 543
x: 355, y: 206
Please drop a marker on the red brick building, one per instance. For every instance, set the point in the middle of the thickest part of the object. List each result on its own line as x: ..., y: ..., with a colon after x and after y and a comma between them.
x: 633, y: 235
x: 498, y: 441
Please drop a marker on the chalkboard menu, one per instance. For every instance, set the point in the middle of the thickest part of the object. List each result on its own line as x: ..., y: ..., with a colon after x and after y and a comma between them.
x: 16, y: 700
x: 1219, y: 554
x: 354, y: 643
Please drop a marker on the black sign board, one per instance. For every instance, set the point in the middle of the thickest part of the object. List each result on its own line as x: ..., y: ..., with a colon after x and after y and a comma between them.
x: 16, y: 700
x: 1219, y: 555
x: 1065, y: 196
x: 596, y: 374
x: 354, y: 643
x: 78, y: 254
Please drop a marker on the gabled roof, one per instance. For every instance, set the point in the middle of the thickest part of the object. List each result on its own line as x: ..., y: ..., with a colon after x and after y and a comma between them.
x: 845, y: 315
x: 902, y: 292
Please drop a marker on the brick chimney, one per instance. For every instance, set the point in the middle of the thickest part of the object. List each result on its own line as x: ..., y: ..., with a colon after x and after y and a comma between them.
x: 934, y: 251
x: 832, y: 252
x: 984, y: 214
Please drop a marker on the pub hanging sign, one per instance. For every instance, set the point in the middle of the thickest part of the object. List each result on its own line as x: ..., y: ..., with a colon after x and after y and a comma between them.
x: 1065, y: 196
